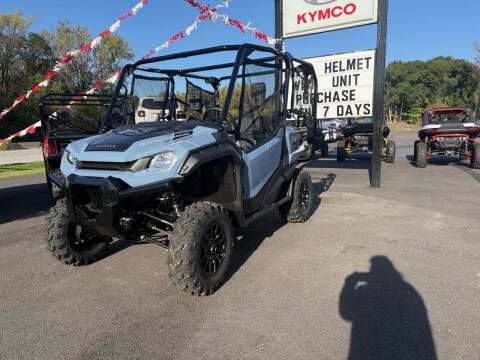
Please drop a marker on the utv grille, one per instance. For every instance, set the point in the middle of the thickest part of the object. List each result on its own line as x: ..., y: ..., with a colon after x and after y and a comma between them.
x: 133, y: 166
x: 95, y: 165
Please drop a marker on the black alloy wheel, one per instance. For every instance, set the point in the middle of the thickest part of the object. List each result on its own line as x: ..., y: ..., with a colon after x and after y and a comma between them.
x: 213, y: 249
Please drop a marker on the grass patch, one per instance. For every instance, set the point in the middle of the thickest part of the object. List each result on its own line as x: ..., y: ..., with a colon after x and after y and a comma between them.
x: 7, y: 171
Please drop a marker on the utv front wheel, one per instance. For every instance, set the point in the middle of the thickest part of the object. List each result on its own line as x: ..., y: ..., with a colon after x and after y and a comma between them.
x: 70, y: 243
x: 421, y: 152
x: 201, y: 248
x: 475, y: 161
x: 299, y: 209
x: 391, y: 150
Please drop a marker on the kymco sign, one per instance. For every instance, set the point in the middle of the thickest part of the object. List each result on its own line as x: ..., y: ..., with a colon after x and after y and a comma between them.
x: 303, y: 17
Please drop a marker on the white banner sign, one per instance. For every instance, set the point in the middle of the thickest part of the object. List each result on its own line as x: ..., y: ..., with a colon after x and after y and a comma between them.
x: 303, y: 17
x: 345, y: 84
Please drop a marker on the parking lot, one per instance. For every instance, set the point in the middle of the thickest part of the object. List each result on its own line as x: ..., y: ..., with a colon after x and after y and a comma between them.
x: 289, y: 295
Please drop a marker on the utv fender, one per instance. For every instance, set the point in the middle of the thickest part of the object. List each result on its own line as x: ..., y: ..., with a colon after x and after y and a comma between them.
x: 208, y: 154
x: 214, y: 174
x: 55, y: 179
x: 293, y: 177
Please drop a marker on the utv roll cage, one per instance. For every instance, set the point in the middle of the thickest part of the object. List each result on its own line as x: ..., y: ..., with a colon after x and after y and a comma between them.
x: 282, y: 64
x: 61, y: 101
x: 428, y: 114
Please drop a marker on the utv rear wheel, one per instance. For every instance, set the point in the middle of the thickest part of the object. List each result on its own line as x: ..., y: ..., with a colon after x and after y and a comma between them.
x: 475, y: 161
x: 299, y: 209
x: 341, y: 153
x: 391, y: 150
x: 201, y: 248
x: 421, y: 152
x: 70, y: 243
x: 415, y: 150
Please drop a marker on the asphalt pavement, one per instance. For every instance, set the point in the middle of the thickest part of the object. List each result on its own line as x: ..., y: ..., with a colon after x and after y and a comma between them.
x: 390, y: 273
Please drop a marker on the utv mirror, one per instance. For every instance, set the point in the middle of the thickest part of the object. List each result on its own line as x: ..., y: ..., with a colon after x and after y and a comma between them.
x: 258, y: 95
x: 63, y: 116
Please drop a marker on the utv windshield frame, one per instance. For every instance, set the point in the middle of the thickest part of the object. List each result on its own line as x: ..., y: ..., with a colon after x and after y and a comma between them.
x: 282, y: 64
x: 62, y: 100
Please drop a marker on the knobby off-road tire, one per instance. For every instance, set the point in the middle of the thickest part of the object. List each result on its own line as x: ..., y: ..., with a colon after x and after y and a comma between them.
x: 341, y: 154
x: 421, y: 155
x: 475, y: 161
x: 201, y: 248
x: 391, y: 150
x: 300, y: 208
x: 63, y: 241
x: 415, y: 150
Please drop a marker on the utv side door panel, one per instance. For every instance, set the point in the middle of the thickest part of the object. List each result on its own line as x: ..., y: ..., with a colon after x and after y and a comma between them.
x: 260, y: 164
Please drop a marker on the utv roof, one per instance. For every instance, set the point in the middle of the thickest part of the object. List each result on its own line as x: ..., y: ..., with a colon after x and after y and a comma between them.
x: 243, y: 48
x: 448, y: 109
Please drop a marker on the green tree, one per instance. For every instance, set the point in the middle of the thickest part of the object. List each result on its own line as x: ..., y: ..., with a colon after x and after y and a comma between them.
x: 416, y: 85
x: 26, y: 56
x: 89, y: 68
x: 13, y: 31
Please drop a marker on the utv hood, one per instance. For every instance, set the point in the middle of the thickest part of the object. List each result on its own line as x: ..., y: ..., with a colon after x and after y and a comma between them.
x: 120, y: 139
x: 113, y: 154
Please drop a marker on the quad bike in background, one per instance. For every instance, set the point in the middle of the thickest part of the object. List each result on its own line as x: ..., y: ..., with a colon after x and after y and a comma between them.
x: 358, y: 138
x: 187, y: 184
x: 448, y: 132
x: 331, y: 132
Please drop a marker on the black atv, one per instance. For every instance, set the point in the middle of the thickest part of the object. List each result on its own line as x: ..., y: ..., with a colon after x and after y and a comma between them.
x: 448, y: 132
x: 357, y: 137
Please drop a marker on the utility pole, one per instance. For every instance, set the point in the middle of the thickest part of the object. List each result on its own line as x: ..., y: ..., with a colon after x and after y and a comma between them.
x: 379, y: 94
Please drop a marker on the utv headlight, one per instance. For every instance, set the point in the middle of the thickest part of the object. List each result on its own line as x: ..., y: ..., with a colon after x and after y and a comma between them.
x: 163, y: 160
x: 71, y: 159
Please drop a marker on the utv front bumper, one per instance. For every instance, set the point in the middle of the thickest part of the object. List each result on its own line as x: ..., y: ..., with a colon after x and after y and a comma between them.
x: 101, y: 202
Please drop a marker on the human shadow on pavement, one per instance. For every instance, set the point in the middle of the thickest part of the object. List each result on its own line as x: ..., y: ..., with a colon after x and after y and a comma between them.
x: 24, y: 202
x: 389, y: 318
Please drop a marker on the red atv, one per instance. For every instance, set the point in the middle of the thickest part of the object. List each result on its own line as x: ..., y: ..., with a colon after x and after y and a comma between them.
x: 448, y: 132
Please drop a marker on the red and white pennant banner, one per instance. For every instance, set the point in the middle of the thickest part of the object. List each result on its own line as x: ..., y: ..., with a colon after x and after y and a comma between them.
x: 206, y: 13
x: 114, y: 78
x: 29, y: 130
x: 214, y: 16
x: 67, y: 58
